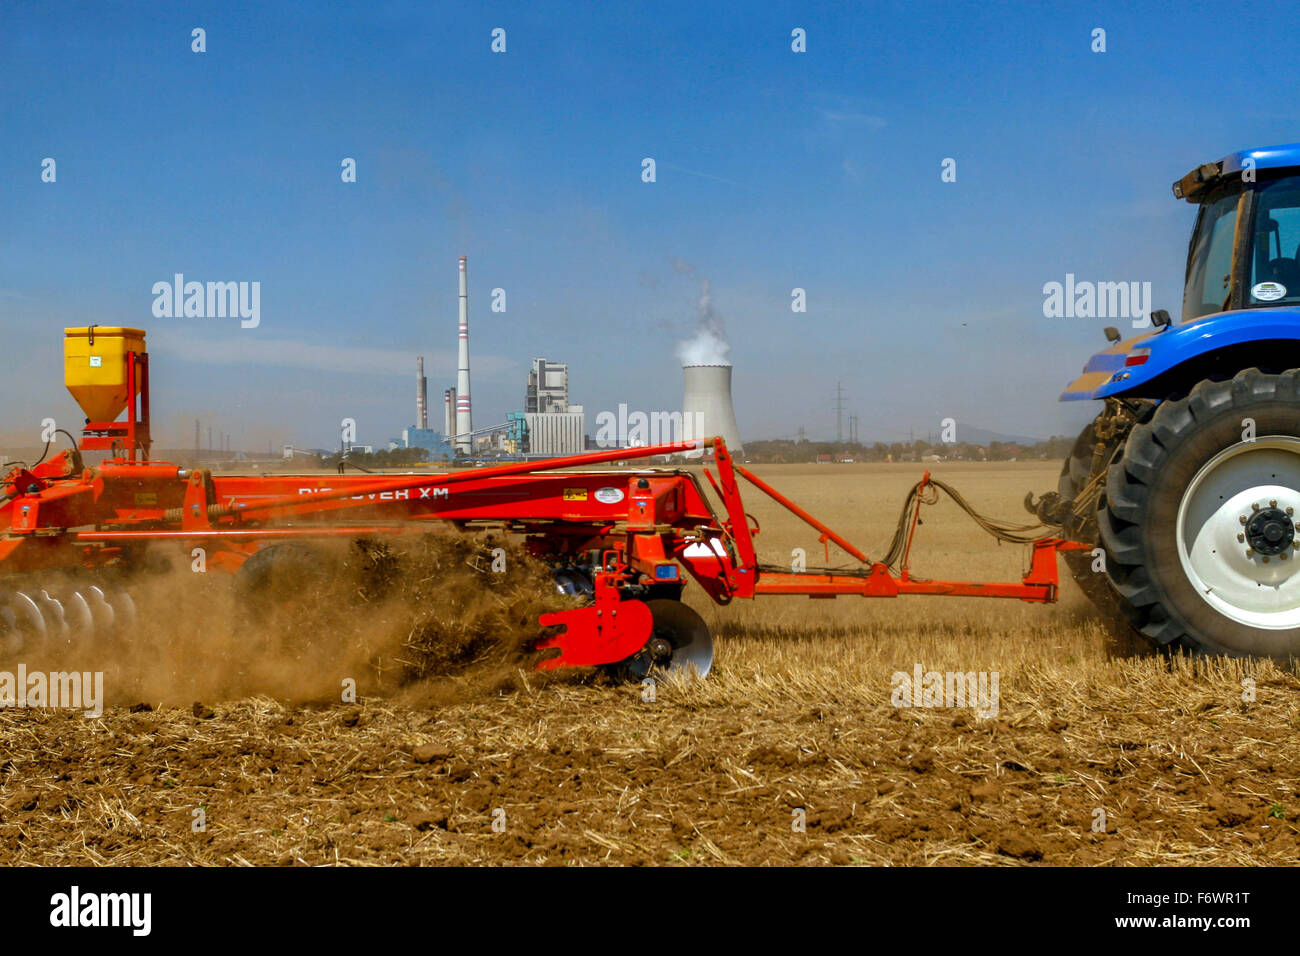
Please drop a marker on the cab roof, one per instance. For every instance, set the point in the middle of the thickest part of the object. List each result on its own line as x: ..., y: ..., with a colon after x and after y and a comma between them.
x: 1191, y: 186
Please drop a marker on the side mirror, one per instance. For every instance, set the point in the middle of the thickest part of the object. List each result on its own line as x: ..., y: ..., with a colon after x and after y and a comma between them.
x: 1112, y: 334
x: 1160, y: 318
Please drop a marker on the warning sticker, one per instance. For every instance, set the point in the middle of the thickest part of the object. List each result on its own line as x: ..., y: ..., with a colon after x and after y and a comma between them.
x: 575, y: 494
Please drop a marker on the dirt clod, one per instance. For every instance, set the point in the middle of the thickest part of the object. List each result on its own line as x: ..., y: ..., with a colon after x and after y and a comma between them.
x: 1018, y: 845
x: 431, y: 753
x: 429, y: 820
x: 988, y: 790
x: 1229, y: 811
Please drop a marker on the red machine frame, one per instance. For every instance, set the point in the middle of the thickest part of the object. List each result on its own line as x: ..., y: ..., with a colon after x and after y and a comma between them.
x: 631, y: 532
x: 645, y: 526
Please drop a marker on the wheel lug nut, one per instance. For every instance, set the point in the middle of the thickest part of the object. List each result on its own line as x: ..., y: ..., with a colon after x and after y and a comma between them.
x: 1266, y: 560
x: 1272, y: 503
x: 1241, y: 537
x: 1254, y: 507
x: 1242, y: 519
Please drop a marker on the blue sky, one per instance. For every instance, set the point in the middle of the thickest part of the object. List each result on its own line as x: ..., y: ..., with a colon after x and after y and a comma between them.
x: 776, y: 170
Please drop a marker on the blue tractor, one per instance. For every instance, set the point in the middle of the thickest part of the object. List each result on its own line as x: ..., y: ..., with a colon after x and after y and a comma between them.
x: 1188, y: 481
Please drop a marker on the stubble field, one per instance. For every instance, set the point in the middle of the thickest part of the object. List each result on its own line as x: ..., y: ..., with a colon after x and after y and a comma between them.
x: 790, y: 752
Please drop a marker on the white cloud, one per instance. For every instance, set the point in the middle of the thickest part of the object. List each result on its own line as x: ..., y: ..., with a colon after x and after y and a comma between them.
x: 249, y: 348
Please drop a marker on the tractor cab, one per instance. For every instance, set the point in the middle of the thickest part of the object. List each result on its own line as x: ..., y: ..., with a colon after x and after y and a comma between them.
x: 1241, y: 299
x: 1245, y: 249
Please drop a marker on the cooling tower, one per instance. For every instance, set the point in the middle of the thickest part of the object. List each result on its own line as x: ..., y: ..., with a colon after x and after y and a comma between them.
x: 707, y: 404
x: 464, y: 425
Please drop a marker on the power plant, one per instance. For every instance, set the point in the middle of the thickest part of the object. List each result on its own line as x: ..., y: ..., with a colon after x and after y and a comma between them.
x: 549, y: 425
x: 707, y: 403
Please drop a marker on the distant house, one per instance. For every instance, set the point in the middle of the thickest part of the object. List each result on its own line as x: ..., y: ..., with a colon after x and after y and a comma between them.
x: 824, y: 457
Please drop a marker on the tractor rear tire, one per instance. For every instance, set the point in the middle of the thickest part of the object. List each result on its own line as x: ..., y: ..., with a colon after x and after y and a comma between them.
x: 1197, y: 519
x: 1077, y: 471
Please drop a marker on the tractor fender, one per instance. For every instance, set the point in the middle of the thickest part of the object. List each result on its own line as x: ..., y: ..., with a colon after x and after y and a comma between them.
x: 1129, y: 365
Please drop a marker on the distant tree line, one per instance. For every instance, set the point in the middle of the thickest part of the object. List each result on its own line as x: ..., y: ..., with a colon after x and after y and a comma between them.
x: 385, y: 458
x: 787, y: 450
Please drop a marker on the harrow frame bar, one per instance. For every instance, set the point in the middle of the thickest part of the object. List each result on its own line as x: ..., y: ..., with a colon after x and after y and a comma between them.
x: 128, y: 503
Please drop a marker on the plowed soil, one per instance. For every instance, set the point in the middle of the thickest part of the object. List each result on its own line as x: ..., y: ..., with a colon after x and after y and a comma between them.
x: 792, y: 751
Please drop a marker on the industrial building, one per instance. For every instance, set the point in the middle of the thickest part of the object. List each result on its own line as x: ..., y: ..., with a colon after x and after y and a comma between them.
x: 553, y: 426
x: 425, y: 438
x: 515, y: 438
x: 557, y: 433
x: 548, y: 388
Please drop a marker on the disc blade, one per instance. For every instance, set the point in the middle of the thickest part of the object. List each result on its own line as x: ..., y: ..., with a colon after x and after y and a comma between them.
x: 687, y: 632
x: 80, y: 620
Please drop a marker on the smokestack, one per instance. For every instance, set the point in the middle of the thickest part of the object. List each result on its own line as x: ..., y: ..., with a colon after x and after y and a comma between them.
x: 421, y: 395
x: 449, y: 413
x: 464, y: 424
x: 707, y: 404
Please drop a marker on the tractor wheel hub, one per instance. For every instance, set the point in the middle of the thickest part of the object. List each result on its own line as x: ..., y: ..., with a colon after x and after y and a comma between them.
x: 1270, y: 531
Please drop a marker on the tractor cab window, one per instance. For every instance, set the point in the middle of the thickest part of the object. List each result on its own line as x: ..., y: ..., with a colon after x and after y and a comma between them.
x: 1275, y: 248
x: 1209, y: 265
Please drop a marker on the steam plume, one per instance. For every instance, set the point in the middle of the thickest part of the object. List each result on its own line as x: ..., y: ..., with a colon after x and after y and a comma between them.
x: 708, y: 346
